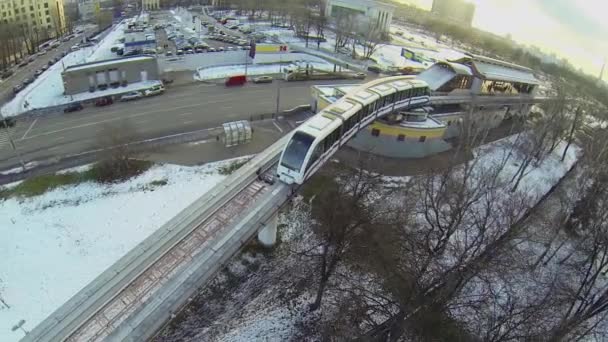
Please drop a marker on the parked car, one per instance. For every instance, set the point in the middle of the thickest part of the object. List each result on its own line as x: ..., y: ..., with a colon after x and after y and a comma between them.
x: 23, y: 63
x: 44, y: 67
x: 28, y: 80
x: 17, y: 88
x: 179, y: 52
x: 73, y: 107
x: 237, y: 80
x: 262, y: 79
x: 38, y: 72
x: 66, y: 38
x: 134, y: 95
x: 230, y: 48
x: 221, y: 48
x: 104, y: 101
x: 75, y: 48
x: 156, y: 90
x: 211, y: 49
x: 7, y: 122
x: 199, y: 50
x: 50, y: 63
x: 360, y: 75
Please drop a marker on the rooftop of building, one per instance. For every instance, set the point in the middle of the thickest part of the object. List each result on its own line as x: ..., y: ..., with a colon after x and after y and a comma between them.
x: 107, y: 62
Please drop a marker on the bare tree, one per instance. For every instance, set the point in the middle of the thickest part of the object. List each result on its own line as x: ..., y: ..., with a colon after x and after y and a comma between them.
x: 345, y: 212
x: 116, y: 157
x: 576, y: 122
x: 344, y: 26
x: 371, y: 39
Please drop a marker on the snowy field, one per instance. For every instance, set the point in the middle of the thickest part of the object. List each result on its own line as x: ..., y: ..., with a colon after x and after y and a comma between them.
x: 55, y: 244
x: 47, y: 89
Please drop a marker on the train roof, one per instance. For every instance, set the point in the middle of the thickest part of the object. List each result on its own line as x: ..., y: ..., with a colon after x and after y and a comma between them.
x: 317, y: 123
x: 340, y: 107
x: 364, y: 97
x: 402, y: 85
x: 382, y: 89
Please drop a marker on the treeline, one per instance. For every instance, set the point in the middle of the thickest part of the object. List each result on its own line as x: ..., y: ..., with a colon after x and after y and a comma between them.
x: 460, y: 254
x: 17, y: 40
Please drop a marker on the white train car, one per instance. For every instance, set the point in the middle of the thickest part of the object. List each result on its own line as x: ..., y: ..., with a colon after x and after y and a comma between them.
x: 317, y: 139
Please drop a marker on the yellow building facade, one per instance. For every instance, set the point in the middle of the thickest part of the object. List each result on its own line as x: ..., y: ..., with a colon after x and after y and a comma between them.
x: 44, y: 16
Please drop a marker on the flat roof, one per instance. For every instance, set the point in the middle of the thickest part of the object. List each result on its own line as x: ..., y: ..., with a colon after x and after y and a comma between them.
x: 340, y: 107
x: 460, y: 69
x: 383, y: 89
x: 501, y: 73
x: 107, y: 62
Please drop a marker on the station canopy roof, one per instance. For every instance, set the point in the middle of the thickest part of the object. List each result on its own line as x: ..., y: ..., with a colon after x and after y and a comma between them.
x: 436, y: 76
x: 495, y: 72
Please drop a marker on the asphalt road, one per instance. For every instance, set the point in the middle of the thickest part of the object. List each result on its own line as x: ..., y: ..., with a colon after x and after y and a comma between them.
x: 180, y: 109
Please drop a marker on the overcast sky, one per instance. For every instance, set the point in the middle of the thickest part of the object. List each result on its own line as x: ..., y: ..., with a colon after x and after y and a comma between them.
x: 575, y: 29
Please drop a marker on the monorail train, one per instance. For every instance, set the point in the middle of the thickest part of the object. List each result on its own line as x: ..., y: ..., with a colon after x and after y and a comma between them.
x: 317, y: 139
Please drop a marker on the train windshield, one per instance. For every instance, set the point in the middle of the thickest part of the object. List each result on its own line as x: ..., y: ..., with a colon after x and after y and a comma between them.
x: 296, y: 151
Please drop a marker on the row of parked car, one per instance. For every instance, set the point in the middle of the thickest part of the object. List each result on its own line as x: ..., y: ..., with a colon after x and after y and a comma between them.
x: 29, y: 80
x: 107, y: 100
x: 229, y: 39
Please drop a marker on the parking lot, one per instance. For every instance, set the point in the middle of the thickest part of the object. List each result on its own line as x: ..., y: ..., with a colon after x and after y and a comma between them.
x: 175, y: 38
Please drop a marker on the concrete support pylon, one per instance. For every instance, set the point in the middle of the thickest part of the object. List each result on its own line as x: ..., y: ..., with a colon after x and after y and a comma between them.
x: 267, y: 236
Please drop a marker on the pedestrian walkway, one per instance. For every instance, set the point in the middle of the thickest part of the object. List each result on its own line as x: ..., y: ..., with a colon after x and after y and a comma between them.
x: 211, y: 150
x: 5, y: 140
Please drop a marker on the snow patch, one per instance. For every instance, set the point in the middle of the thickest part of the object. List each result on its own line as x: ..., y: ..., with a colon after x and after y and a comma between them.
x: 55, y: 244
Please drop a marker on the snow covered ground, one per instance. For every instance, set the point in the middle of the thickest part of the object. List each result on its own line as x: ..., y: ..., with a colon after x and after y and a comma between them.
x: 47, y: 89
x: 55, y: 244
x: 537, y: 180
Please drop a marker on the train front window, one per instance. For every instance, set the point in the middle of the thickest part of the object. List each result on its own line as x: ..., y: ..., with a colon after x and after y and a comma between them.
x: 296, y: 151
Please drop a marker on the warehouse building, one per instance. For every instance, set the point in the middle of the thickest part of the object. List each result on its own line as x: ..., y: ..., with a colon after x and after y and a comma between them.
x: 112, y: 73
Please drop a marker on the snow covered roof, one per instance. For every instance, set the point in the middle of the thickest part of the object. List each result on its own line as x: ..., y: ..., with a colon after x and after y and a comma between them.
x: 108, y: 62
x: 501, y: 73
x: 496, y: 70
x: 460, y: 69
x: 436, y: 76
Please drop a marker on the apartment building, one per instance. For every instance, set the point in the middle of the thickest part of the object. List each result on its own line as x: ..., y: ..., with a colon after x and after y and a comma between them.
x: 44, y: 16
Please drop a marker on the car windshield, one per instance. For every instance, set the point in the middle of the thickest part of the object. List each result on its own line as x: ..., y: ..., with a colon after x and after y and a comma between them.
x: 294, y: 154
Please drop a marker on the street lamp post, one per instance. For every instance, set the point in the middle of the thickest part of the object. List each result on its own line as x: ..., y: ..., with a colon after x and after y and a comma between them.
x: 19, y: 326
x: 278, y: 85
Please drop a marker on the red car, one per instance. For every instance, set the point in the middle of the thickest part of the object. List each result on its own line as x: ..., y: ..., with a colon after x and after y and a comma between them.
x: 104, y: 101
x: 238, y: 80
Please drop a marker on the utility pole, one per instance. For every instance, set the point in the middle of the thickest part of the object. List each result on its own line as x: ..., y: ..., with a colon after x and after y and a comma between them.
x: 278, y: 85
x: 246, y: 60
x: 19, y: 326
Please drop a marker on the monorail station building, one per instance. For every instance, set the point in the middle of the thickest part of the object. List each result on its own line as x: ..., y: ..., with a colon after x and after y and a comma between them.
x: 427, y: 130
